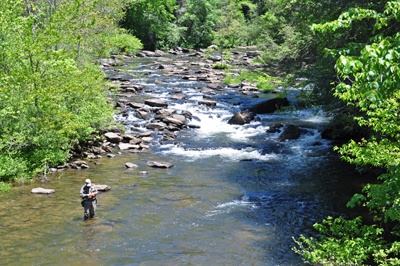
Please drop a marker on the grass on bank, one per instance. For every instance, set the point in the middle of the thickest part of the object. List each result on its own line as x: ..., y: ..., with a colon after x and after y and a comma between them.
x: 264, y: 82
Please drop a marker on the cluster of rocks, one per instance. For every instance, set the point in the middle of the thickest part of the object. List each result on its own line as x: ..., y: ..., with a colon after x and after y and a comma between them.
x: 269, y: 106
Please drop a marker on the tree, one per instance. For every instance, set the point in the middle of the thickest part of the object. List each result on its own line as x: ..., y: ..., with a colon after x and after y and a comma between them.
x: 199, y: 21
x: 50, y: 95
x: 369, y: 76
x: 149, y: 20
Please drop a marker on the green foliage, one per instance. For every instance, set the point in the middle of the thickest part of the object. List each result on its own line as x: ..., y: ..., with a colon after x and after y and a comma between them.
x: 199, y: 21
x: 148, y: 20
x: 5, y: 187
x: 124, y: 43
x: 369, y: 80
x: 347, y: 242
x: 220, y: 66
x: 263, y: 81
x: 49, y: 95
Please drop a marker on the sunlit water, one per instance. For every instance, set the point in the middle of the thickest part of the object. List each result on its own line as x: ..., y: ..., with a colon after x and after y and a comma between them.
x: 235, y: 196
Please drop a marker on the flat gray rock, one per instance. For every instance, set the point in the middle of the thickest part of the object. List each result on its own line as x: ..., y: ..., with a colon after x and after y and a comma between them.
x: 40, y: 190
x: 131, y: 165
x: 159, y: 164
x: 126, y: 146
x: 208, y: 103
x: 156, y: 103
x: 103, y: 187
x: 178, y: 97
x: 113, y: 137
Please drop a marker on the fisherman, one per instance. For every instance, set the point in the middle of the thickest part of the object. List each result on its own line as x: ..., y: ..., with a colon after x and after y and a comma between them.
x: 89, y: 202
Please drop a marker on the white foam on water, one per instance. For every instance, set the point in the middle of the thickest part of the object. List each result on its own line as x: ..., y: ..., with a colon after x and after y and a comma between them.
x: 243, y: 133
x: 229, y: 206
x: 228, y: 154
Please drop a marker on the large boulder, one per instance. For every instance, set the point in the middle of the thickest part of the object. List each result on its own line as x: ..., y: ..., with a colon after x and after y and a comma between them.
x: 156, y: 103
x: 269, y: 106
x: 113, y: 137
x: 241, y: 118
x: 290, y: 132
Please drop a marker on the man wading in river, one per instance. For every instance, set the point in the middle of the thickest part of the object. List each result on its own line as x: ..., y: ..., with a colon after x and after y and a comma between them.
x: 89, y: 202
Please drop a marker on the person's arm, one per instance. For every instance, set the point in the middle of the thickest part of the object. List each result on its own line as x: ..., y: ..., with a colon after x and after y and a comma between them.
x: 81, y: 193
x: 94, y: 189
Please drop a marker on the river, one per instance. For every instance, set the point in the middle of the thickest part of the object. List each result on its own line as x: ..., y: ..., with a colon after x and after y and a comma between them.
x: 235, y: 196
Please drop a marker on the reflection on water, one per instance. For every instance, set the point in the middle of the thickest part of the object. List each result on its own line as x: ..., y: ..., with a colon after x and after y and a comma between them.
x: 235, y: 196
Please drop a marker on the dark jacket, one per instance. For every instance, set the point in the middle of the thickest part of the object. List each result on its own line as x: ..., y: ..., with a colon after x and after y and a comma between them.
x: 86, y: 190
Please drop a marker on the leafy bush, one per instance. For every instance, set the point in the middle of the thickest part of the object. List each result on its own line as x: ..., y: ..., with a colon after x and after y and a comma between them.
x: 124, y: 43
x: 263, y: 81
x: 347, y: 242
x: 5, y: 187
x: 220, y: 66
x: 49, y: 96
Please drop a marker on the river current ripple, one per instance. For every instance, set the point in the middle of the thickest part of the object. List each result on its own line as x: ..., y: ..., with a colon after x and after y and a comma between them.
x: 235, y: 196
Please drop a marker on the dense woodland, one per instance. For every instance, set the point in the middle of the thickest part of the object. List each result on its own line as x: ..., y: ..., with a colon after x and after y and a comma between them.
x: 53, y: 94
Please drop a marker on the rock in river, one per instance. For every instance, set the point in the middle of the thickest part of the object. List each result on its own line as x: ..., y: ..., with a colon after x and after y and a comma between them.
x: 131, y: 165
x: 159, y: 164
x: 241, y: 118
x: 156, y: 103
x: 40, y: 190
x: 103, y: 187
x: 269, y: 106
x: 291, y: 132
x: 208, y: 103
x: 113, y: 137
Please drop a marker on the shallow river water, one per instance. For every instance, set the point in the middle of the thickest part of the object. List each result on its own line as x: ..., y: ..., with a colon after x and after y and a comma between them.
x: 235, y: 196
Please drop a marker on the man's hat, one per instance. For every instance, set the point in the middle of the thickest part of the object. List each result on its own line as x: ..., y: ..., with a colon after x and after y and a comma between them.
x: 88, y: 182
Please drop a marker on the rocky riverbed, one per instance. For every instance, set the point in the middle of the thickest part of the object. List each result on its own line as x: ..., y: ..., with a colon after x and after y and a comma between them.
x: 162, y: 122
x: 201, y: 173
